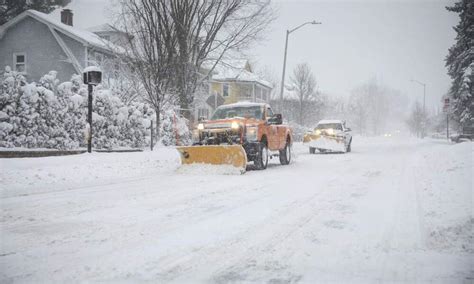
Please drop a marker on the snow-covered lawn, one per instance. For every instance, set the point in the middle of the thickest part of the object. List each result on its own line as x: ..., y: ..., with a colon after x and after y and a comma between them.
x: 392, y: 210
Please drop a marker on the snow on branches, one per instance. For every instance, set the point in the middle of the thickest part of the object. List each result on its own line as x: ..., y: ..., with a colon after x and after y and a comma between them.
x: 460, y: 64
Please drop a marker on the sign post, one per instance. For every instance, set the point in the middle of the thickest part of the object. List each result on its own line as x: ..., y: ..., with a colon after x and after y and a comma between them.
x: 91, y: 76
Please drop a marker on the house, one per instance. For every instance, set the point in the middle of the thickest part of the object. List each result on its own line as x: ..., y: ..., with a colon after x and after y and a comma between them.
x: 231, y: 81
x: 34, y: 43
x: 112, y: 34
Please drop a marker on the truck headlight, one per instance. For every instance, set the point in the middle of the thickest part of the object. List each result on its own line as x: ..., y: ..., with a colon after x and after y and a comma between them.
x: 317, y: 132
x: 235, y: 125
x: 200, y: 126
x: 251, y: 133
x: 330, y: 131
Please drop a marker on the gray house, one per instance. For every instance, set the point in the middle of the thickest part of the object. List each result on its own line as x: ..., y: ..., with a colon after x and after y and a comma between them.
x: 34, y: 43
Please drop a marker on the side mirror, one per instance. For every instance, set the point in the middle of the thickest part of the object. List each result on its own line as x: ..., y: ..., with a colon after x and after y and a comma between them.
x: 201, y: 118
x: 348, y: 129
x: 275, y: 119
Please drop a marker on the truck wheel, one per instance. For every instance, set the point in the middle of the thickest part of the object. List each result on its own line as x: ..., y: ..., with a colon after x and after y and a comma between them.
x: 261, y: 161
x: 312, y: 150
x: 285, y: 154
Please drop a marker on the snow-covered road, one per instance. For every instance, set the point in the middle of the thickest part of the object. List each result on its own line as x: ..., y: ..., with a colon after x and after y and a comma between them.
x: 392, y: 210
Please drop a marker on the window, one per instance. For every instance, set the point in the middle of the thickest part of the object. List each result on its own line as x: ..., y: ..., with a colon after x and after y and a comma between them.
x: 19, y: 61
x: 203, y: 112
x: 251, y: 111
x: 264, y: 95
x: 269, y: 112
x: 225, y: 90
x: 246, y: 92
x: 99, y: 58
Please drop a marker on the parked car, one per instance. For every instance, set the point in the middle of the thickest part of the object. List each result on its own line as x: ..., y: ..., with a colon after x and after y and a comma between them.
x: 467, y: 134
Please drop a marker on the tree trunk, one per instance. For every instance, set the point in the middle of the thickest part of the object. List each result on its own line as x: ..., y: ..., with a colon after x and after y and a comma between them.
x: 301, y: 112
x: 158, y: 124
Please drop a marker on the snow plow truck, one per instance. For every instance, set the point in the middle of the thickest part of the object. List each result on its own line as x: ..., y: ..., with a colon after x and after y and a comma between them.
x: 329, y: 136
x: 239, y: 133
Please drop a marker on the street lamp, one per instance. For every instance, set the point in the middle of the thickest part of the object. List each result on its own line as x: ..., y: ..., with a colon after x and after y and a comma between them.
x: 91, y: 76
x: 424, y: 102
x: 288, y: 32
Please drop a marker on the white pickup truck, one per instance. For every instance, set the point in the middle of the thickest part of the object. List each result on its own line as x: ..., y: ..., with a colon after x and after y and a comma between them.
x: 329, y: 136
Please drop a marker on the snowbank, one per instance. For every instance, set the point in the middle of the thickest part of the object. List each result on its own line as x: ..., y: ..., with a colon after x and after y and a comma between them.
x: 38, y: 175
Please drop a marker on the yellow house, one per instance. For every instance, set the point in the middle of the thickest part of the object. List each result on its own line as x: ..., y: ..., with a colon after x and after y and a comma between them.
x: 233, y: 81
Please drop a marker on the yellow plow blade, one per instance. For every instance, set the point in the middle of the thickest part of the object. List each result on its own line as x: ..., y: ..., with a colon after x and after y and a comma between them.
x: 214, y: 154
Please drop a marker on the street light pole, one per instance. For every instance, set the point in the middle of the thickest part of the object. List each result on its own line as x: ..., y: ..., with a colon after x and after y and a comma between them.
x: 284, y: 68
x: 89, y: 118
x: 288, y: 32
x: 424, y: 91
x: 424, y: 103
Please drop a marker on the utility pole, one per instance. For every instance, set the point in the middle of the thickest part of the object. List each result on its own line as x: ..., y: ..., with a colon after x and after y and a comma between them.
x: 288, y: 32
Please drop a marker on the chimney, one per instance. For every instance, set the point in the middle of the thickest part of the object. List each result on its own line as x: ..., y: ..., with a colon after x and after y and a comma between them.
x: 66, y: 17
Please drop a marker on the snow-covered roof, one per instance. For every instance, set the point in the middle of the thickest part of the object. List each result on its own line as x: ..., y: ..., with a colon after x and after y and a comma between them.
x: 330, y: 121
x: 236, y: 70
x: 103, y: 28
x: 83, y: 36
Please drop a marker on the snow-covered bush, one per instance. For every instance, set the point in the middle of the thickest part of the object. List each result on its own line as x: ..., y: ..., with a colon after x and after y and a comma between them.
x: 12, y: 107
x: 174, y: 129
x: 52, y: 115
x: 75, y: 121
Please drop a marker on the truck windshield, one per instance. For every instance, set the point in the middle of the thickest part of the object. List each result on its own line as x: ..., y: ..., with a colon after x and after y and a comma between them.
x: 335, y: 126
x: 241, y: 111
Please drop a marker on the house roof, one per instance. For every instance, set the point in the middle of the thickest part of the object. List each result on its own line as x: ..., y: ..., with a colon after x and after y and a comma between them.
x: 85, y: 37
x: 105, y: 28
x: 237, y: 70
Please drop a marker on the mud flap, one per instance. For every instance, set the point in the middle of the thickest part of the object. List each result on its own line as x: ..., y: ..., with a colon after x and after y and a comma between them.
x: 233, y: 155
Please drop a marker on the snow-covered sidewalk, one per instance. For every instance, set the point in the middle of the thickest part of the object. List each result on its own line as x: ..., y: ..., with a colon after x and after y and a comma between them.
x: 392, y: 210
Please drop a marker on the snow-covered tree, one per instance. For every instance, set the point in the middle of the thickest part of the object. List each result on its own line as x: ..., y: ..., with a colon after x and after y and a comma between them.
x: 11, y: 8
x: 304, y: 82
x: 174, y: 128
x: 372, y: 106
x: 416, y: 120
x: 460, y: 64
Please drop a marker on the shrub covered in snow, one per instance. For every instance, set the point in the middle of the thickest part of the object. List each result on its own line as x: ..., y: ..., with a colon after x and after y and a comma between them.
x: 174, y: 129
x: 53, y: 115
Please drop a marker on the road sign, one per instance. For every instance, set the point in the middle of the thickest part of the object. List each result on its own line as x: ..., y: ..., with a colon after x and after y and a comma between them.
x: 215, y: 100
x: 446, y: 105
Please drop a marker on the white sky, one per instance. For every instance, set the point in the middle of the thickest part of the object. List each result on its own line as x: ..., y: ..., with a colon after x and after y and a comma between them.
x: 358, y: 40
